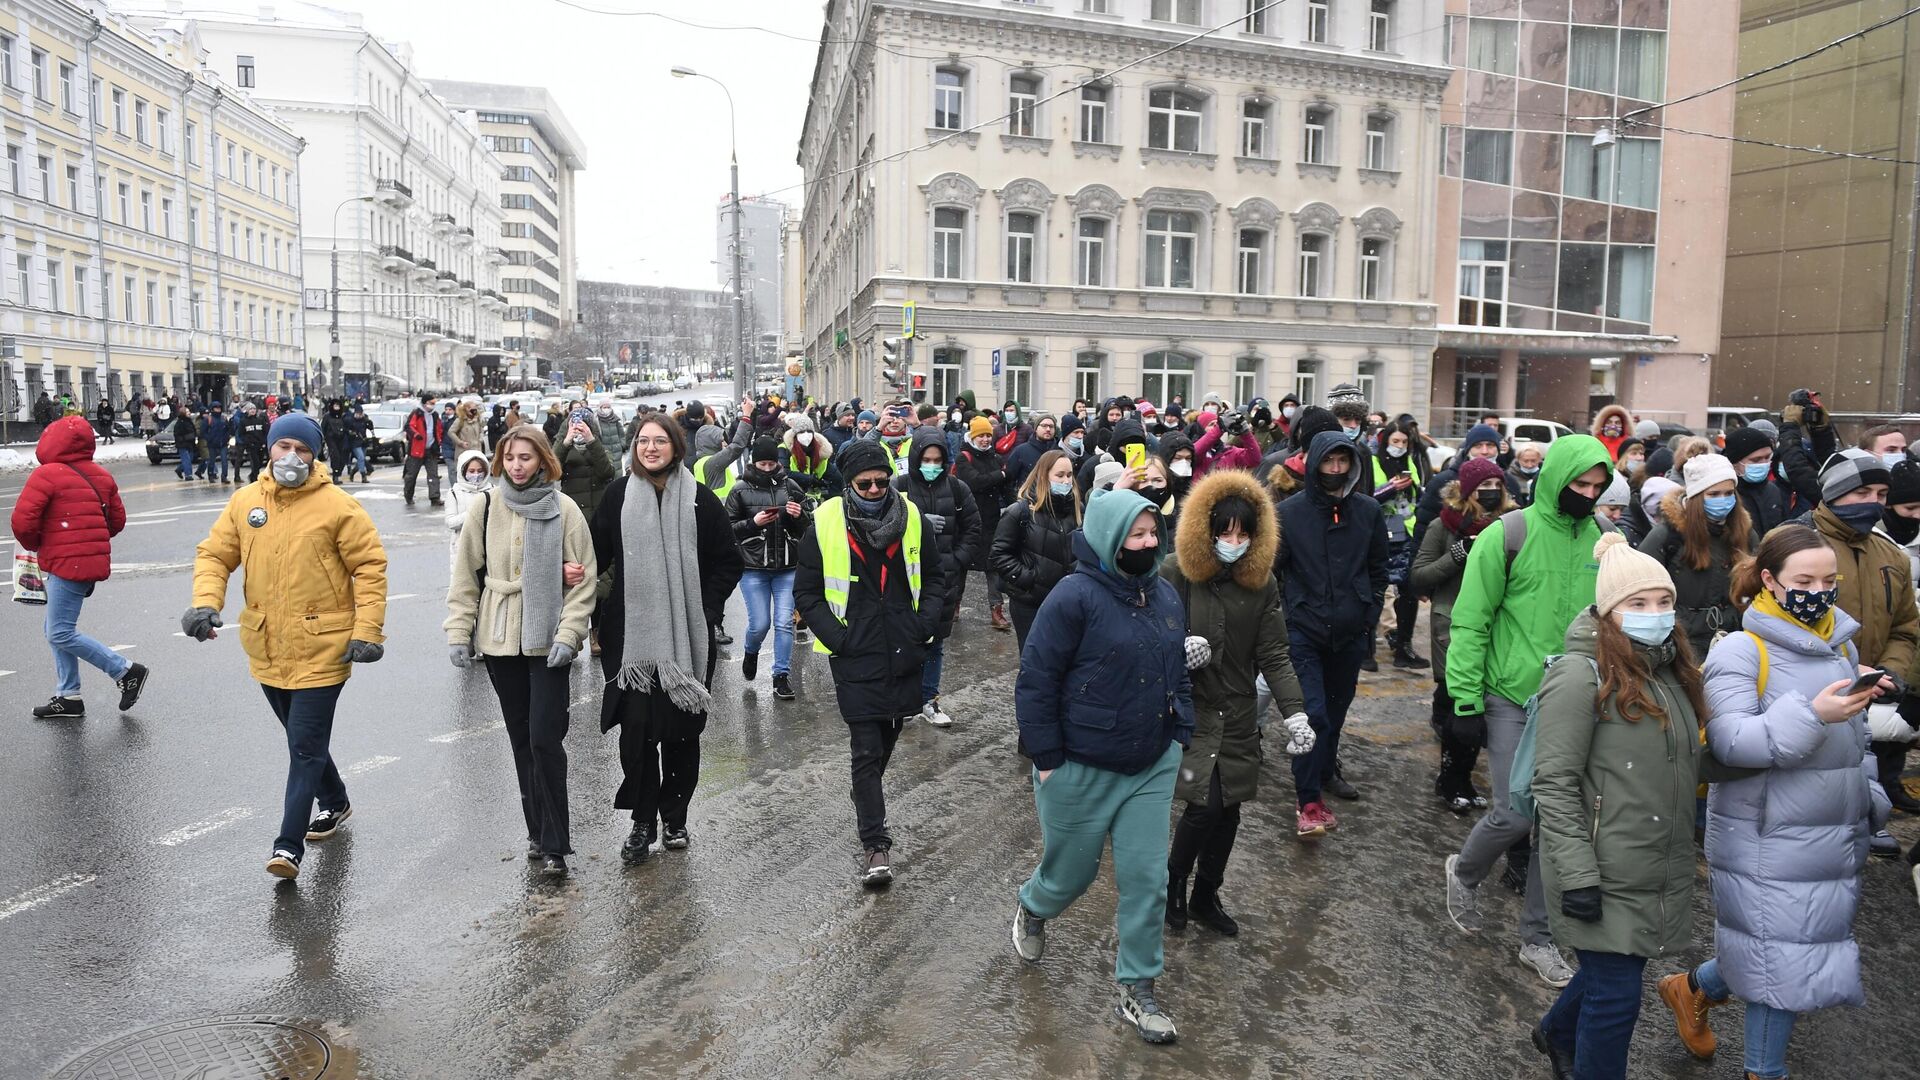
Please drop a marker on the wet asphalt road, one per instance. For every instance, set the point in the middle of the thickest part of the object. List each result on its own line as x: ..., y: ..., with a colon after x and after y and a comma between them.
x: 132, y: 891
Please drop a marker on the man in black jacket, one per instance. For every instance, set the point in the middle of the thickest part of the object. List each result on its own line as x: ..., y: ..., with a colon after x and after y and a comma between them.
x: 1332, y: 564
x: 1751, y: 453
x: 252, y: 429
x: 953, y: 520
x: 876, y: 618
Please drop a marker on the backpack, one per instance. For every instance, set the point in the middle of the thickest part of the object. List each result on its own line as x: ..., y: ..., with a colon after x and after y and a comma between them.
x: 1520, y: 780
x: 1513, y: 532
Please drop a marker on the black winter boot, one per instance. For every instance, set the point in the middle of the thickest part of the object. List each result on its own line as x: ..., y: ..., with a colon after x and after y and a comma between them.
x: 1206, y: 908
x: 1892, y: 759
x: 1176, y: 903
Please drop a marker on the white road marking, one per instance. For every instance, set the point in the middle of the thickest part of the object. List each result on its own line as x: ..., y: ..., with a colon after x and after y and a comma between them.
x: 201, y: 828
x: 361, y: 768
x: 40, y: 894
x: 122, y: 648
x: 150, y: 521
x: 465, y: 733
x: 4, y: 674
x: 401, y: 596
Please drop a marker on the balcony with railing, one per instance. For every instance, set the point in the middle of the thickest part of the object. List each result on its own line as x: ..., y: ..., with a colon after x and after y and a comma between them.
x: 466, y: 289
x: 424, y: 268
x: 497, y: 256
x: 442, y: 224
x: 463, y: 236
x: 446, y: 281
x: 430, y: 329
x: 395, y: 258
x: 393, y: 193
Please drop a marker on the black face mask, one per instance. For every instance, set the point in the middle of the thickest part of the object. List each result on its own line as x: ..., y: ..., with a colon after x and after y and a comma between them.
x: 1135, y: 561
x: 1904, y: 530
x: 1575, y: 505
x: 1333, y: 483
x: 1489, y: 500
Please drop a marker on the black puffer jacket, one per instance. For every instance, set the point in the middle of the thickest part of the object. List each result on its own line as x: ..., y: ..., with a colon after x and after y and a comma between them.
x: 947, y: 498
x: 1033, y: 550
x: 1332, y: 562
x: 984, y: 472
x: 774, y: 547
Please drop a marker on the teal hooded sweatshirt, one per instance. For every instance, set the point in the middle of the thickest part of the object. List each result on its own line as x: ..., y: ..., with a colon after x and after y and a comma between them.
x: 1505, y: 625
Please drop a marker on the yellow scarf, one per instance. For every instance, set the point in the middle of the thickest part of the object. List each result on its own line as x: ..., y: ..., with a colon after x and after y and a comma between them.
x: 1822, y: 629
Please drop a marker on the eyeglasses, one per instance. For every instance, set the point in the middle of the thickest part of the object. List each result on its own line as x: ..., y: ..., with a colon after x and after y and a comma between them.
x: 653, y: 442
x: 877, y: 484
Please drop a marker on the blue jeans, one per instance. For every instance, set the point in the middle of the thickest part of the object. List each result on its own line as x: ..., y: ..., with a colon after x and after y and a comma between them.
x: 763, y: 590
x: 186, y: 463
x: 70, y: 646
x: 360, y: 460
x: 930, y: 669
x: 1329, y: 676
x: 1595, y: 1014
x: 308, y: 717
x: 217, y: 457
x: 1768, y: 1028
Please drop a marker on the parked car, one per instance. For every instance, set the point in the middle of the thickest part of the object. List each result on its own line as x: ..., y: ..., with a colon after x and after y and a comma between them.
x: 1723, y: 418
x: 1522, y: 430
x: 160, y: 446
x: 389, y: 418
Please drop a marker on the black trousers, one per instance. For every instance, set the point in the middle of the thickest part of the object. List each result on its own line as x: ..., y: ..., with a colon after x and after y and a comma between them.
x: 660, y: 774
x: 1459, y: 750
x: 533, y: 699
x: 412, y: 470
x: 1204, y: 835
x: 252, y: 460
x: 872, y: 743
x: 1022, y: 614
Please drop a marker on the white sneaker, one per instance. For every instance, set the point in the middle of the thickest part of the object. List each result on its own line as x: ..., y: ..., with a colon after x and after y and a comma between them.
x: 1547, y: 962
x: 1139, y: 1008
x: 931, y: 711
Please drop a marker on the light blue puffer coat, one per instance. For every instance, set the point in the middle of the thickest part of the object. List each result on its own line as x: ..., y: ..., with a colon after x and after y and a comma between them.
x: 1786, y: 847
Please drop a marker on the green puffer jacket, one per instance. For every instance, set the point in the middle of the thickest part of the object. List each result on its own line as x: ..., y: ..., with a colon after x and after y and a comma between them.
x: 1503, y: 626
x: 585, y: 472
x: 1435, y: 574
x: 1238, y: 610
x: 1616, y: 804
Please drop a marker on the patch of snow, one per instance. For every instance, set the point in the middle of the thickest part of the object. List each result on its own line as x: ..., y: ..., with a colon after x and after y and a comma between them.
x: 16, y: 459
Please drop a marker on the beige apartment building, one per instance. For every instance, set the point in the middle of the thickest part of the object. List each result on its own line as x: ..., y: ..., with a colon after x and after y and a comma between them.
x: 1576, y: 271
x: 1821, y: 252
x: 150, y: 236
x: 1252, y: 213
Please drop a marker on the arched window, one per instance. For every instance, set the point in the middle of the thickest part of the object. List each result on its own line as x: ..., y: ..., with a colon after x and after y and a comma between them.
x: 1173, y: 119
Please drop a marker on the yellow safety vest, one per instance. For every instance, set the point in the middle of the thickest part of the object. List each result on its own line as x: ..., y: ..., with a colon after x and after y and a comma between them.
x: 836, y: 557
x: 700, y: 475
x: 1380, y: 481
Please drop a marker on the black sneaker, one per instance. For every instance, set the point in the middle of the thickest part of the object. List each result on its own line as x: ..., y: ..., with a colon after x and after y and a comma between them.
x: 1338, y: 787
x: 327, y: 822
x: 284, y: 864
x: 130, y: 684
x: 553, y: 866
x: 533, y: 849
x: 783, y: 687
x: 1371, y: 663
x: 750, y: 666
x: 56, y: 706
x: 721, y: 637
x: 639, y: 845
x: 674, y: 839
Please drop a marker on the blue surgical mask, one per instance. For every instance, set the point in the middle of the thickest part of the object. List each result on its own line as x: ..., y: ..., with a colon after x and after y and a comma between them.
x: 1353, y: 433
x: 1757, y: 473
x: 1230, y: 553
x: 1524, y: 471
x: 931, y: 472
x: 1074, y: 444
x: 1062, y: 488
x: 1892, y: 458
x: 1647, y: 627
x: 1719, y: 506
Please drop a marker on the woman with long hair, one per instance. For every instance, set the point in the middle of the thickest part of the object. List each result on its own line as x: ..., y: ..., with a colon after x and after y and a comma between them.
x: 666, y: 538
x: 1786, y: 844
x: 1467, y: 506
x: 1033, y: 545
x: 518, y: 599
x: 1616, y: 763
x: 1702, y: 532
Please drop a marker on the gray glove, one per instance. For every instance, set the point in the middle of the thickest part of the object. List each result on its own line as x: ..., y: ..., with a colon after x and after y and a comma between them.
x: 1199, y: 653
x: 461, y: 655
x: 1299, y: 734
x: 1458, y: 549
x: 561, y: 654
x: 363, y: 652
x: 198, y: 623
x: 935, y: 522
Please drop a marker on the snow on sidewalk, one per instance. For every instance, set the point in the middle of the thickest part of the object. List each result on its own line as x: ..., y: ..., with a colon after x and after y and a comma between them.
x: 20, y: 458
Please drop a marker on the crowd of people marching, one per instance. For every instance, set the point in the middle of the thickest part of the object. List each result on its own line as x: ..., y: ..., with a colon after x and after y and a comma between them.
x: 1735, y: 616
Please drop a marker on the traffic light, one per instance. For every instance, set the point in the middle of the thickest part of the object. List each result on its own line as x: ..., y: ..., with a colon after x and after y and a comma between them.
x: 890, y: 363
x: 919, y: 383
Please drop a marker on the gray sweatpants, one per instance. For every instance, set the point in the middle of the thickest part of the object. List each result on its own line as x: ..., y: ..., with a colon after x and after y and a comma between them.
x: 1500, y: 828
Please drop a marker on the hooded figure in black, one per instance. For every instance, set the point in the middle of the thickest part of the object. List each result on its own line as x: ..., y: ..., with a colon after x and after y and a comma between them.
x: 1332, y: 566
x: 948, y: 509
x: 1127, y: 432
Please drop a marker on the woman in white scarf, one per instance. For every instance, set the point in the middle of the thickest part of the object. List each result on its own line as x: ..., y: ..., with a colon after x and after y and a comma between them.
x: 670, y: 547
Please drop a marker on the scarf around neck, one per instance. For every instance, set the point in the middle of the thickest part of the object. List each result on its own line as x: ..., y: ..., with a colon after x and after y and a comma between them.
x: 541, y: 591
x: 879, y: 532
x: 665, y: 623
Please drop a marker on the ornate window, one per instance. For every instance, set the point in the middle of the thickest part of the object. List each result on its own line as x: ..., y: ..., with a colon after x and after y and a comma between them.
x: 1314, y: 226
x: 1254, y: 222
x: 1096, y: 211
x: 949, y: 98
x: 1025, y: 204
x: 1023, y: 102
x: 949, y: 242
x: 1378, y: 228
x: 1173, y: 247
x: 1173, y: 119
x: 1306, y: 378
x: 1094, y: 104
x: 1258, y: 13
x: 1256, y: 128
x: 1316, y: 135
x: 1380, y: 154
x: 951, y: 201
x: 1021, y: 230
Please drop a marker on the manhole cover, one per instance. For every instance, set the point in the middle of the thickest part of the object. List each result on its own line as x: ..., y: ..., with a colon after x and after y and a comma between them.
x: 214, y: 1048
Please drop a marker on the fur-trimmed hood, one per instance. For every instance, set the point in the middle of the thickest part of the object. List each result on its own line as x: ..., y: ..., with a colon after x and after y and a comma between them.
x: 1626, y: 421
x: 1673, y: 507
x: 1193, y: 543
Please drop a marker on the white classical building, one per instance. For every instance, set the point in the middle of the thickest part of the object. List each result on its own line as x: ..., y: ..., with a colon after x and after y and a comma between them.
x: 1249, y: 213
x: 400, y: 186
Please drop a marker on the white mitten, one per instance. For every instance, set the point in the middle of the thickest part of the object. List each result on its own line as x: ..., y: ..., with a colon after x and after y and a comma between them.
x: 1198, y: 652
x: 1299, y: 734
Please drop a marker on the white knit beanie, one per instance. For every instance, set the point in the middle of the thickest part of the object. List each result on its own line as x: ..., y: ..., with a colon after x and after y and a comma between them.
x: 1624, y: 571
x: 1705, y: 470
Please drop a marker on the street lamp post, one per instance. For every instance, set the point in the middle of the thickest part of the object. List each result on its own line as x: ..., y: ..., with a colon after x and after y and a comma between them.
x: 741, y: 382
x: 333, y: 289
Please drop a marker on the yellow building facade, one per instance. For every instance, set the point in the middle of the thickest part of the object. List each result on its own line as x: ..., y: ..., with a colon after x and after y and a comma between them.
x: 150, y: 238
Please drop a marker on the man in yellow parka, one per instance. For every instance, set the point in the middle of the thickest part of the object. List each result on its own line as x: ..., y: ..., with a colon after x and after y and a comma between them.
x: 316, y: 598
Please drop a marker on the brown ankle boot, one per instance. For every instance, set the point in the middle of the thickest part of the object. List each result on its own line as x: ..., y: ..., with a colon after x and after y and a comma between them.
x: 1000, y: 618
x: 1690, y: 1014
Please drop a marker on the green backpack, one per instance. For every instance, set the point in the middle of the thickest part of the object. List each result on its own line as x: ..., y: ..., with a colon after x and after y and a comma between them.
x: 1520, y: 780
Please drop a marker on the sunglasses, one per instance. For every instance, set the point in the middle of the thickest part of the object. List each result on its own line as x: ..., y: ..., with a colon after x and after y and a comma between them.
x: 870, y: 485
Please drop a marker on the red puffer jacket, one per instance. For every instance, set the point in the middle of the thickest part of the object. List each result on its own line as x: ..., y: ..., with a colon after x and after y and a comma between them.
x: 59, y: 513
